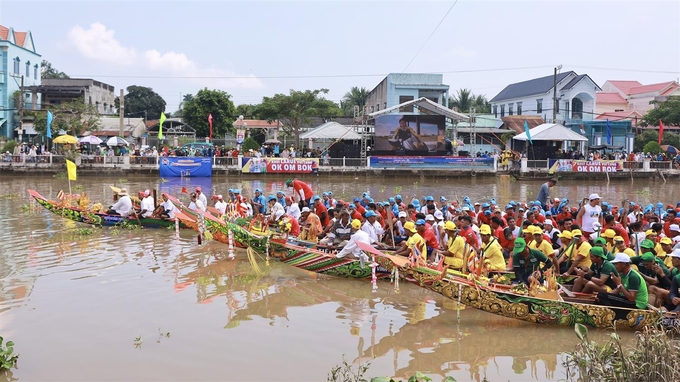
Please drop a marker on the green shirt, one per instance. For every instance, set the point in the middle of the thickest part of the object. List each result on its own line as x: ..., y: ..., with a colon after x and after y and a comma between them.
x: 674, y: 272
x: 633, y: 282
x: 637, y: 260
x: 608, y: 269
x: 525, y: 267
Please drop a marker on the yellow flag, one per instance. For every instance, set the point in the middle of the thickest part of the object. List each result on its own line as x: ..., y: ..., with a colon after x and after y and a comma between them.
x: 160, y: 126
x: 71, y: 170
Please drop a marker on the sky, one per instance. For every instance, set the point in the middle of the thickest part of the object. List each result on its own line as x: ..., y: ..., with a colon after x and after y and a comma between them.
x: 252, y: 49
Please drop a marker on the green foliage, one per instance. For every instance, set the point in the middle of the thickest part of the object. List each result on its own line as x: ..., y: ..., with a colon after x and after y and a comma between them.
x: 78, y: 187
x: 346, y: 373
x: 122, y: 180
x: 206, y: 102
x: 667, y: 111
x: 8, y: 358
x: 48, y: 72
x: 464, y: 99
x: 655, y: 357
x: 652, y: 147
x: 9, y: 146
x: 75, y: 117
x: 140, y: 99
x: 669, y: 138
x: 84, y: 231
x: 356, y: 96
x: 250, y: 143
x: 60, y: 175
x: 248, y: 111
x: 296, y: 109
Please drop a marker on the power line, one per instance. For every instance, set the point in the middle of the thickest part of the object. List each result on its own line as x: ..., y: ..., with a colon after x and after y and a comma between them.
x: 431, y: 34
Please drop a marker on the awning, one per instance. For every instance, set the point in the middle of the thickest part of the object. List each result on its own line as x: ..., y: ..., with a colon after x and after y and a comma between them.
x: 551, y: 132
x: 426, y: 104
x: 331, y: 130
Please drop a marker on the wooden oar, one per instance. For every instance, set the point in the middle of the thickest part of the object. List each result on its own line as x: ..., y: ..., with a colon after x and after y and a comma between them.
x: 566, y: 291
x: 397, y: 260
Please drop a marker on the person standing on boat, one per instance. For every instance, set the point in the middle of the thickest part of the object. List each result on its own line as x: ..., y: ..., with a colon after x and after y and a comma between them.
x: 598, y: 277
x: 123, y: 206
x: 589, y: 214
x: 544, y: 193
x: 302, y: 191
x: 201, y: 196
x: 220, y: 205
x: 630, y: 291
x: 526, y: 263
x: 147, y: 204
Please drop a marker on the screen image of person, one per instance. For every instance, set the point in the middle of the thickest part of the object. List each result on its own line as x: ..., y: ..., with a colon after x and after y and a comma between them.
x: 405, y: 138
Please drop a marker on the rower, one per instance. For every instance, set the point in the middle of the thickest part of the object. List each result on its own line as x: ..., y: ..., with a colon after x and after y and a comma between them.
x: 491, y: 252
x: 630, y: 291
x: 456, y: 248
x: 339, y: 235
x: 168, y: 208
x: 201, y: 196
x: 428, y: 236
x: 196, y: 204
x: 220, y: 205
x: 526, y: 263
x: 372, y: 227
x: 666, y: 249
x: 654, y: 273
x: 123, y: 206
x: 291, y: 208
x: 598, y: 277
x: 580, y: 254
x: 273, y: 205
x: 414, y: 247
x: 352, y: 249
x: 147, y: 204
x: 673, y: 299
x: 302, y: 191
x: 620, y: 246
x: 259, y: 203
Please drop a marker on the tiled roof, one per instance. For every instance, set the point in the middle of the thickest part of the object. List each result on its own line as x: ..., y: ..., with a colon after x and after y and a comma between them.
x: 670, y: 90
x: 650, y: 88
x: 603, y: 97
x: 20, y: 38
x: 516, y: 122
x: 110, y: 133
x: 576, y: 80
x: 4, y: 32
x: 619, y: 115
x: 625, y: 86
x: 530, y: 87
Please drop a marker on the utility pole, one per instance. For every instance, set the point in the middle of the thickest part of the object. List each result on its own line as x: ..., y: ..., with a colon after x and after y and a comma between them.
x: 21, y: 110
x: 558, y: 67
x: 121, y: 112
x: 473, y: 136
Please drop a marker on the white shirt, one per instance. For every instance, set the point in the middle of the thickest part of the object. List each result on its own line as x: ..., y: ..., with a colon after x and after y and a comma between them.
x: 590, y: 216
x: 147, y: 204
x: 169, y: 208
x: 221, y: 206
x: 197, y: 205
x: 277, y: 207
x: 203, y: 199
x: 353, y: 248
x: 373, y: 230
x: 293, y: 210
x: 123, y: 206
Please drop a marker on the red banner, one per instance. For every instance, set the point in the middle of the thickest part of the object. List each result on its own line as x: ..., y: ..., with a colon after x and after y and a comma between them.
x: 280, y: 165
x: 597, y: 166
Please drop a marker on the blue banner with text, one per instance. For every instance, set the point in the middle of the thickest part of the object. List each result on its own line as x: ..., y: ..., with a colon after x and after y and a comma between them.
x: 430, y: 162
x: 185, y: 166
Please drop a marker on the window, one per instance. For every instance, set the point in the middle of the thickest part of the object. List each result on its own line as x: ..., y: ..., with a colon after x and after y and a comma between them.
x: 16, y: 65
x: 539, y: 106
x: 385, y: 105
x: 519, y: 108
x: 566, y: 109
x: 372, y: 109
x: 502, y: 111
x: 28, y: 69
x: 377, y: 107
x: 408, y: 109
x: 35, y: 72
x: 495, y: 111
x: 510, y: 109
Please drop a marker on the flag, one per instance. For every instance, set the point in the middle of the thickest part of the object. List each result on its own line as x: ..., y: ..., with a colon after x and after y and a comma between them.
x: 50, y: 117
x: 71, y: 170
x: 210, y: 123
x: 660, y: 131
x: 526, y: 130
x: 184, y: 190
x: 609, y: 133
x: 61, y: 195
x: 160, y: 126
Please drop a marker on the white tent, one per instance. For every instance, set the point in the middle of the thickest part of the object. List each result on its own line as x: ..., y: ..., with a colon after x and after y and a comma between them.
x: 551, y: 132
x: 425, y: 104
x: 331, y: 130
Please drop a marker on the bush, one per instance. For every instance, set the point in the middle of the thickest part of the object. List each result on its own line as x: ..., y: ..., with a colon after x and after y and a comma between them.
x: 8, y: 358
x: 9, y: 146
x: 655, y: 357
x: 250, y: 143
x: 652, y: 147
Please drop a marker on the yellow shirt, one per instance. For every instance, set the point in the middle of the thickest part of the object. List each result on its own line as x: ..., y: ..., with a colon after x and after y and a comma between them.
x: 667, y: 260
x: 493, y: 257
x: 417, y: 244
x: 545, y: 247
x: 628, y: 251
x: 583, y: 250
x: 457, y: 248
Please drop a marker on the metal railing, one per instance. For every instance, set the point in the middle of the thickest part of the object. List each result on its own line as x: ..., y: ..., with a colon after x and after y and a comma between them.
x: 342, y: 162
x: 537, y: 164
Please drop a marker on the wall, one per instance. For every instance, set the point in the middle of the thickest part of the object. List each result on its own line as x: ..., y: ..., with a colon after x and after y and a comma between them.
x: 12, y: 82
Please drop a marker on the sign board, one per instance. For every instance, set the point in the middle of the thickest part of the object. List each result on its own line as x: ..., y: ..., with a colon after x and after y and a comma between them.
x: 571, y: 165
x: 430, y: 162
x: 185, y: 166
x: 254, y: 165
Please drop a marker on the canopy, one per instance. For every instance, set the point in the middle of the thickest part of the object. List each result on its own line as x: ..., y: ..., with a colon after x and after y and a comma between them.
x: 426, y: 104
x: 91, y: 139
x: 551, y: 132
x: 331, y: 130
x: 70, y: 139
x: 116, y: 141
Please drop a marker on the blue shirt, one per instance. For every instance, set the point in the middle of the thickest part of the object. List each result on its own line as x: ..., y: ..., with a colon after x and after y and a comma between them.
x: 261, y: 200
x: 282, y: 201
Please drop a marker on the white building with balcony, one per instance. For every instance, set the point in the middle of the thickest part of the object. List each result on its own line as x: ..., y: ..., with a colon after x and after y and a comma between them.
x: 398, y: 88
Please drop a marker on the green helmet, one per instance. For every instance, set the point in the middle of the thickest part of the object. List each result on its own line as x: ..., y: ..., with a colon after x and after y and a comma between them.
x: 289, y: 182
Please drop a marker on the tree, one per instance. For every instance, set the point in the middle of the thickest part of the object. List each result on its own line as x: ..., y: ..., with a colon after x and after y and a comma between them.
x: 465, y: 99
x: 247, y: 111
x: 250, y: 143
x: 48, y: 72
x: 297, y: 108
x: 653, y: 136
x: 667, y: 111
x: 652, y: 147
x: 482, y: 105
x: 140, y: 99
x: 206, y: 102
x: 356, y: 96
x: 75, y: 117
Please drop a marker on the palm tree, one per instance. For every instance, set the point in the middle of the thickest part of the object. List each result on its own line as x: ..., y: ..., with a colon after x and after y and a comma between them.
x: 462, y: 101
x: 482, y: 105
x: 356, y: 96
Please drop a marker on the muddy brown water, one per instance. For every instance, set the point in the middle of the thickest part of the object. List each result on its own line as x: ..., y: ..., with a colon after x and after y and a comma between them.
x: 74, y: 303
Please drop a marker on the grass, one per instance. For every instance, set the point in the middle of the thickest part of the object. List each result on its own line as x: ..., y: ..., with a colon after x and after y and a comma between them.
x: 345, y: 372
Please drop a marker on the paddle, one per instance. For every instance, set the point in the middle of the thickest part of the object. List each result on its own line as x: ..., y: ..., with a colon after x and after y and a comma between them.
x: 397, y: 260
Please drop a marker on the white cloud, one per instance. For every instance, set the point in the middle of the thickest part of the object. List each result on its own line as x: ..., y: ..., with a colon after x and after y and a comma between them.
x: 98, y: 43
x: 462, y: 52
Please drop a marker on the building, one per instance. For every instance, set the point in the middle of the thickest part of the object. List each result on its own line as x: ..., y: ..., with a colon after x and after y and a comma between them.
x: 55, y: 91
x: 479, y: 136
x: 398, y: 88
x: 576, y: 95
x: 20, y: 60
x: 628, y: 96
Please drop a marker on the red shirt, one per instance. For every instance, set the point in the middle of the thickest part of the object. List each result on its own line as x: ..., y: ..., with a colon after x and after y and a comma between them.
x: 481, y: 218
x: 620, y: 231
x: 357, y: 215
x: 469, y: 235
x: 319, y: 210
x: 430, y: 238
x: 360, y: 208
x: 295, y: 226
x: 302, y: 189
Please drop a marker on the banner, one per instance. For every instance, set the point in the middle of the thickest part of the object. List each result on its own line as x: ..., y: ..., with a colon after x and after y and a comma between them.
x: 430, y: 162
x: 280, y: 165
x: 240, y: 136
x: 408, y: 134
x: 571, y: 165
x: 185, y: 166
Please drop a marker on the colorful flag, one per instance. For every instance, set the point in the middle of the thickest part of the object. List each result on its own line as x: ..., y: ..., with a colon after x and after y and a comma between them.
x: 184, y: 190
x: 210, y: 123
x: 71, y: 170
x: 609, y: 133
x: 61, y: 195
x: 160, y: 126
x: 50, y: 117
x: 526, y: 130
x: 660, y: 131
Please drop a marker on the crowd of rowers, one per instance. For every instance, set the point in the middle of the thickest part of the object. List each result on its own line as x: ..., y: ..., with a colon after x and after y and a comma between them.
x: 630, y: 258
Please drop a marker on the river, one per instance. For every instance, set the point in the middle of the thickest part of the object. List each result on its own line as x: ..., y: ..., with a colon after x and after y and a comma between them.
x: 75, y: 301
